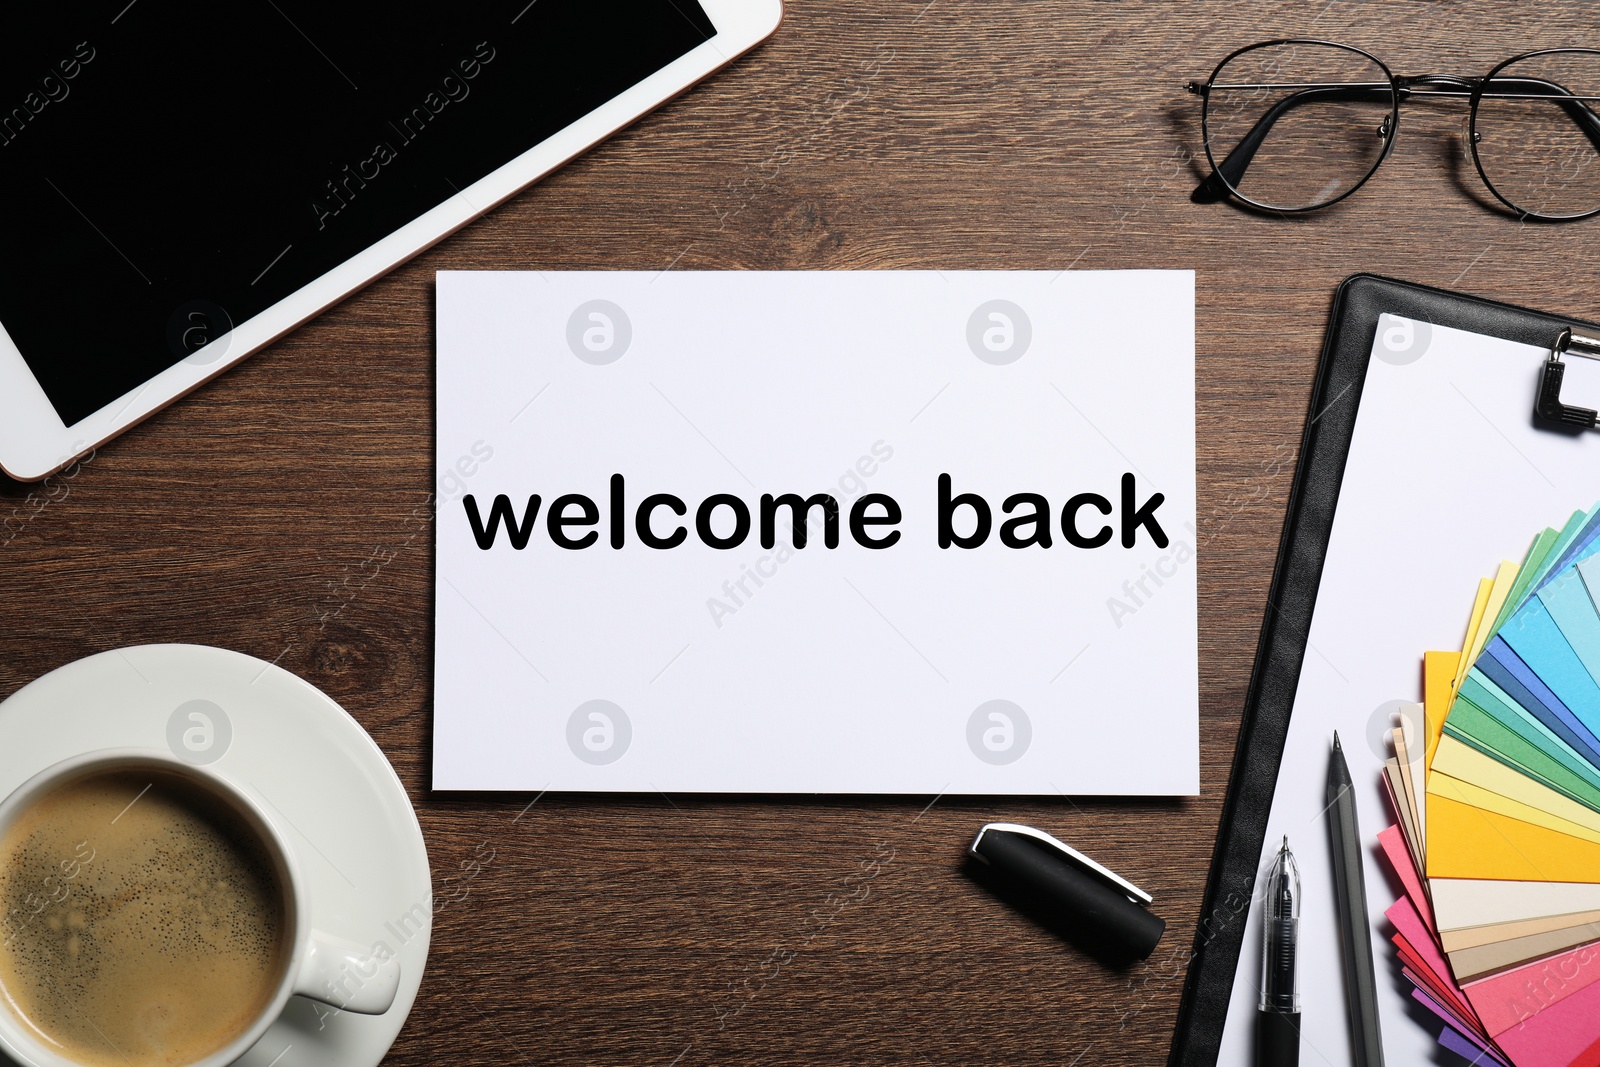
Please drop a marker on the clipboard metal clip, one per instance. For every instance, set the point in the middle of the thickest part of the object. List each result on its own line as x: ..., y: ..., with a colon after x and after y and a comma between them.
x: 1548, y: 408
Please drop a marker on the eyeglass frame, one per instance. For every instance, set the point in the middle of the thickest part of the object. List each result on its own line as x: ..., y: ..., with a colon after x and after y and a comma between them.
x: 1400, y: 88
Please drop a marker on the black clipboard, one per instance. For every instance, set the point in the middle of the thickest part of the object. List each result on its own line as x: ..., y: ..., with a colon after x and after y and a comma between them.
x: 1307, y: 525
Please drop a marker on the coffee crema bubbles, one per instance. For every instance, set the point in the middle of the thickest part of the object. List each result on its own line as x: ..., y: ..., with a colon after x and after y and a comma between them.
x: 142, y: 923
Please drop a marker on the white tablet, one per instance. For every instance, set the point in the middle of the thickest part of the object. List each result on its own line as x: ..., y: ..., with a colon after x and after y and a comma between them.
x: 182, y: 183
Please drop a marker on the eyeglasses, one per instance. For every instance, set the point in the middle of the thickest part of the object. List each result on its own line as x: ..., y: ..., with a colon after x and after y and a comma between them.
x: 1295, y: 125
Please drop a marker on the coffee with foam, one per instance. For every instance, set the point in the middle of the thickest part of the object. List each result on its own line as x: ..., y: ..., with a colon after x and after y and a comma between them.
x: 142, y: 923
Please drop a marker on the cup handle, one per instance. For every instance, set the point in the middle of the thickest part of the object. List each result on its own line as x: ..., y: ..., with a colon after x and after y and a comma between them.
x: 344, y: 975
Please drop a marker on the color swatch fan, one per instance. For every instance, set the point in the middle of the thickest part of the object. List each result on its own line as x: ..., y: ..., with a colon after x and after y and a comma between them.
x: 1496, y: 782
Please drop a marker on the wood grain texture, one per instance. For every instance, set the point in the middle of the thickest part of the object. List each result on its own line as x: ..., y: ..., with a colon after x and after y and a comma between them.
x: 909, y: 134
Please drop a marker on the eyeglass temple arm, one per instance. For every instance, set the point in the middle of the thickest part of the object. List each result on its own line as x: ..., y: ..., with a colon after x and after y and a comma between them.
x: 1215, y: 188
x: 1577, y: 110
x: 1231, y: 170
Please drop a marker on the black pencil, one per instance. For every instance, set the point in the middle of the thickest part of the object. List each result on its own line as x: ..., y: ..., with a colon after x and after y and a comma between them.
x: 1350, y: 889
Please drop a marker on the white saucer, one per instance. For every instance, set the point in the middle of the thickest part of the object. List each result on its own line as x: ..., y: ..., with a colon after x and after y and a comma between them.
x: 354, y: 833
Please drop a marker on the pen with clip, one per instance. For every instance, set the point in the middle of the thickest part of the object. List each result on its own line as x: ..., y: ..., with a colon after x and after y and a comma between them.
x: 1278, y: 1019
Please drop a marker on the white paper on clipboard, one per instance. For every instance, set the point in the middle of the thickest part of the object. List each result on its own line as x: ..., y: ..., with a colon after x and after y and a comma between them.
x: 1447, y: 475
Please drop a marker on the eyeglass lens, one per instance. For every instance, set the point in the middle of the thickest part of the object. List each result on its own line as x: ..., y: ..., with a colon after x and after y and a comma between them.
x: 1536, y: 134
x: 1298, y: 125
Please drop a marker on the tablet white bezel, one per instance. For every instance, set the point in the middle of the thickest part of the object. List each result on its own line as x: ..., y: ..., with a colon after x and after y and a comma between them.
x: 35, y: 444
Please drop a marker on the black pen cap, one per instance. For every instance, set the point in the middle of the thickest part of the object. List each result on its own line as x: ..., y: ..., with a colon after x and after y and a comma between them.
x: 1095, y: 906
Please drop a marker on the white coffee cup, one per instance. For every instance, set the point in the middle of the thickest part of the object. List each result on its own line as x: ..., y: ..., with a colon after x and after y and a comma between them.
x: 327, y: 969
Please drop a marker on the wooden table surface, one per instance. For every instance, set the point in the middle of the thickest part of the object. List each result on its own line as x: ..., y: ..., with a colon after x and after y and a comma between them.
x: 901, y: 134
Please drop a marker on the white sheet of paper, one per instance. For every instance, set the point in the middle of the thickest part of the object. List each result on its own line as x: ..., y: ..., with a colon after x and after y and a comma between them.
x: 1446, y: 477
x: 858, y: 670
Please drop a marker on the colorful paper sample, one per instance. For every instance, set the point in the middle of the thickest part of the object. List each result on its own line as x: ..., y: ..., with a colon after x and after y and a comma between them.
x: 1496, y: 787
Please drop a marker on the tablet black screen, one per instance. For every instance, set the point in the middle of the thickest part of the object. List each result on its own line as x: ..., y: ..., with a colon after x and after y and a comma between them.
x: 168, y: 166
